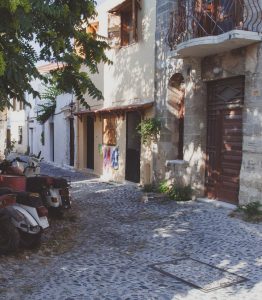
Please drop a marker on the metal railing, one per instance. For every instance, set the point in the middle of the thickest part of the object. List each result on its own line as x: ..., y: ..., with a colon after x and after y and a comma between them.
x: 199, y: 18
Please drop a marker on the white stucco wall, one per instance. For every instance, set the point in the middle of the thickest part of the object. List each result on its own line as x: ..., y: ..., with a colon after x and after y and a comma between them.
x: 16, y: 119
x: 129, y: 80
x: 60, y: 123
x: 3, y: 124
x: 131, y: 76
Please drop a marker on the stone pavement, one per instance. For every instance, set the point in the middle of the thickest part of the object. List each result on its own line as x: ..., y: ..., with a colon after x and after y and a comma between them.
x: 120, y: 237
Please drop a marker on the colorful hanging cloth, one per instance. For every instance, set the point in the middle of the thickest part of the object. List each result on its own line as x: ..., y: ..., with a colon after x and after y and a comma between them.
x: 115, y: 158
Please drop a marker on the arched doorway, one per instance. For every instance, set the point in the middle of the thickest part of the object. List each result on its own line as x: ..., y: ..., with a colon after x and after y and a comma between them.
x: 176, y: 105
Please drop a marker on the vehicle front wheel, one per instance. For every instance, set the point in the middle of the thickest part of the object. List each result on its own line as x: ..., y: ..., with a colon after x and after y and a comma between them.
x: 28, y: 240
x: 9, y: 236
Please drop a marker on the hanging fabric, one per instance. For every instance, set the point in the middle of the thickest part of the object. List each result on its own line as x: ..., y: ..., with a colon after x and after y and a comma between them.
x: 115, y: 158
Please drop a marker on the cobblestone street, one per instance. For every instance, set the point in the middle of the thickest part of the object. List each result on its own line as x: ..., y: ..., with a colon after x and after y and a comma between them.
x: 119, y: 237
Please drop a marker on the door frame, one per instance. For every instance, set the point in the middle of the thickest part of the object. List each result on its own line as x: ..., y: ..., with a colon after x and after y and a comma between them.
x: 52, y: 141
x: 219, y: 132
x: 90, y: 164
x: 71, y: 142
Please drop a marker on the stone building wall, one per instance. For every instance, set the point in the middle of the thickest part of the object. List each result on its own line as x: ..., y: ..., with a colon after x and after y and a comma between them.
x: 197, y: 72
x: 251, y: 171
x: 191, y: 170
x: 165, y: 149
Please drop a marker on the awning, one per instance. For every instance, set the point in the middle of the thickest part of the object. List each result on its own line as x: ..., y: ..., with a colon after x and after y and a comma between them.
x: 115, y: 110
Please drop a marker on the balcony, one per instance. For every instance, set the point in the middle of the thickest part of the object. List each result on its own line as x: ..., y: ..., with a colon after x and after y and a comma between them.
x: 205, y: 27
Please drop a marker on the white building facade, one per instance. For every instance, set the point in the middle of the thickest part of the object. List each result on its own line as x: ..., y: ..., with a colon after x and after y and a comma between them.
x: 54, y: 138
x: 108, y: 143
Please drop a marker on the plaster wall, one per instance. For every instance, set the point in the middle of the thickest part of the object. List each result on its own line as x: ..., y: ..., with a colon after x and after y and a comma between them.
x: 16, y: 119
x: 3, y: 124
x: 60, y: 123
x: 129, y: 80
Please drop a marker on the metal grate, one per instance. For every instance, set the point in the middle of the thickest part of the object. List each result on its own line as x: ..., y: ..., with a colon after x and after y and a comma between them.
x: 197, y: 274
x: 199, y: 18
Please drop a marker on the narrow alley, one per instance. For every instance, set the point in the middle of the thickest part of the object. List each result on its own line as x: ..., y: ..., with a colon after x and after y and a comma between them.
x: 116, y: 238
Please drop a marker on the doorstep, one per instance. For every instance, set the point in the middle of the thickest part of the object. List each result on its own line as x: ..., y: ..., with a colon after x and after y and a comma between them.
x: 217, y: 203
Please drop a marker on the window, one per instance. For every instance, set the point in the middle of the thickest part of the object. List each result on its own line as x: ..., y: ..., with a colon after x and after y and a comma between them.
x: 20, y: 135
x: 122, y: 23
x: 109, y: 131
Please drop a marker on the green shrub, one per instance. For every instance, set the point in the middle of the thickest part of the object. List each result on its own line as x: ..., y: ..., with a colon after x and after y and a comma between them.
x: 252, y: 209
x: 163, y: 187
x: 149, y: 129
x: 179, y: 193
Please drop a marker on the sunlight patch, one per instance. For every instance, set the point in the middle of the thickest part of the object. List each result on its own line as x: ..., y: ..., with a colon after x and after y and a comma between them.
x: 198, y: 274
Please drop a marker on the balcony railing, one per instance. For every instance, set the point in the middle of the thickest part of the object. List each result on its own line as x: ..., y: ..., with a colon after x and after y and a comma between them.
x: 199, y: 18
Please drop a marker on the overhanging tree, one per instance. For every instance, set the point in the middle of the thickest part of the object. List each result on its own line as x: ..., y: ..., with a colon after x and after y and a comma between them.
x: 59, y: 27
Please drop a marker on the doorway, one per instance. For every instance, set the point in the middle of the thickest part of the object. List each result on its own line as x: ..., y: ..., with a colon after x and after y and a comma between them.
x: 31, y: 140
x: 133, y: 147
x: 224, y: 138
x: 71, y: 142
x: 8, y: 138
x: 90, y: 143
x: 52, y: 142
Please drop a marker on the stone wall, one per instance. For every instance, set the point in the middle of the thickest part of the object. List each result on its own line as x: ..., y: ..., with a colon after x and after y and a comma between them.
x: 165, y: 149
x: 192, y: 169
x: 197, y: 73
x: 251, y: 171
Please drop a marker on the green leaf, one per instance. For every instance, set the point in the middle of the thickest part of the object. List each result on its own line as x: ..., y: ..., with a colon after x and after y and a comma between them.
x: 54, y: 25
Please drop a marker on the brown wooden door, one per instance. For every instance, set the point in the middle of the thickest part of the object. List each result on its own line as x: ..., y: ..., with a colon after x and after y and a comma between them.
x: 224, y: 138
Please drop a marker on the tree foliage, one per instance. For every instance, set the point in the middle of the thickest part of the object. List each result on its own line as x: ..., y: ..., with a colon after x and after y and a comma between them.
x: 59, y: 27
x: 47, y: 109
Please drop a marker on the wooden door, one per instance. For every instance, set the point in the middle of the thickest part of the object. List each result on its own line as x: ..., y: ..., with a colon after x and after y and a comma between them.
x: 90, y: 143
x: 133, y: 147
x: 224, y: 138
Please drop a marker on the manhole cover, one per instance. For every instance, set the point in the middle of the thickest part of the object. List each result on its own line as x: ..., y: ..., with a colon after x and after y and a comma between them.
x: 198, y: 274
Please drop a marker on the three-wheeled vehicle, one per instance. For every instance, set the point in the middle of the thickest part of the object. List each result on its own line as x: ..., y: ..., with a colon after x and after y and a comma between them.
x: 55, y: 191
x: 23, y: 218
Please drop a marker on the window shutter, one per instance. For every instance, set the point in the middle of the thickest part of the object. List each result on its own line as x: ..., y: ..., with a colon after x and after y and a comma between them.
x: 114, y: 30
x: 135, y: 5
